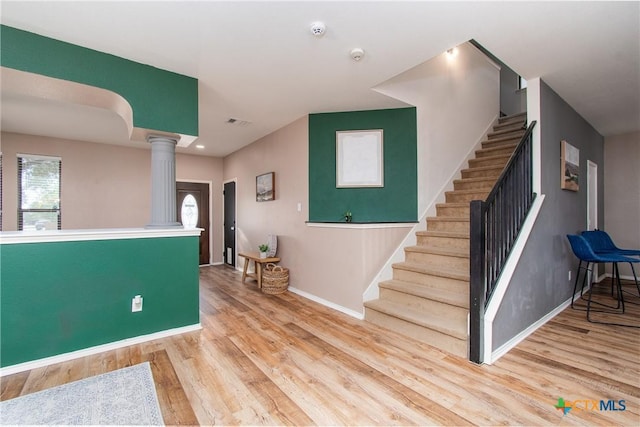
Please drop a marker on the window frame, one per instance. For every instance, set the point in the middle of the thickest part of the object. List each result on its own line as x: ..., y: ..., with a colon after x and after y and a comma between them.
x: 22, y: 211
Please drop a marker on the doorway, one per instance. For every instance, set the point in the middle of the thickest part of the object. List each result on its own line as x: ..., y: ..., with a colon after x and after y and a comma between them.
x: 230, y: 223
x: 192, y: 201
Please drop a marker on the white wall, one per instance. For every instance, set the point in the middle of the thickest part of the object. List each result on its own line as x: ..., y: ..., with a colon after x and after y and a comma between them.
x: 622, y: 193
x: 457, y: 100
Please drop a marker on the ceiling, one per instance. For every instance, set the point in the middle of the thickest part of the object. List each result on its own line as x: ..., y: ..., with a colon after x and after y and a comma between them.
x: 258, y: 62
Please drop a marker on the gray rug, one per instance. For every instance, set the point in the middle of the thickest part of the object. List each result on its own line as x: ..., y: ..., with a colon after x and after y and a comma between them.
x: 123, y: 397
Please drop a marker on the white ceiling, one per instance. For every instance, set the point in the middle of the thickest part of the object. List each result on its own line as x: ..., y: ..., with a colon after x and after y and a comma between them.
x: 258, y: 61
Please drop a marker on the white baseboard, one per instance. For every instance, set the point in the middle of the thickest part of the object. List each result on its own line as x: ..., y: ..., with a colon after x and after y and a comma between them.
x: 624, y: 277
x: 504, y: 348
x: 20, y: 367
x: 329, y: 304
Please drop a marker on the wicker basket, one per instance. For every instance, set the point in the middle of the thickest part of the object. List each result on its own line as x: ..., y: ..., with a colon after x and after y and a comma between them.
x: 275, y: 279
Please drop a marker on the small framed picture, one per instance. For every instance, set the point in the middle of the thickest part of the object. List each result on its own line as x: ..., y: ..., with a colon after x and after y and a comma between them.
x: 570, y: 166
x: 265, y: 189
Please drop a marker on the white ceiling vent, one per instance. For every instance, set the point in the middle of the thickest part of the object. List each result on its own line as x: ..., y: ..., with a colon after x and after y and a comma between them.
x: 237, y: 122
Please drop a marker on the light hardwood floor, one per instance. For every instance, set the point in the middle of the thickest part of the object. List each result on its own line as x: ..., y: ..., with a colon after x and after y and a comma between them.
x: 284, y: 360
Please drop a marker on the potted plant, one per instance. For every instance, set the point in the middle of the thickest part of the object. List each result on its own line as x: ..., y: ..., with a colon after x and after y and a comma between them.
x: 347, y: 216
x: 263, y: 250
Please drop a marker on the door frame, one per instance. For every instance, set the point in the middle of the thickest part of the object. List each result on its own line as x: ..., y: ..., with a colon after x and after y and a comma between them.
x: 235, y: 229
x: 592, y: 199
x: 210, y: 183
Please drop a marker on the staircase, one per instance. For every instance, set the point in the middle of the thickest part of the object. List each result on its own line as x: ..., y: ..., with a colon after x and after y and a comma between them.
x: 428, y: 297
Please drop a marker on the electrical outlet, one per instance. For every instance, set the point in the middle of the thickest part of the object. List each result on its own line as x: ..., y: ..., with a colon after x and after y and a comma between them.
x: 136, y: 303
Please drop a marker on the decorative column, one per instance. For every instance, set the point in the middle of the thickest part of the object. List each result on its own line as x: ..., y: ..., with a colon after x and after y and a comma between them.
x: 163, y: 182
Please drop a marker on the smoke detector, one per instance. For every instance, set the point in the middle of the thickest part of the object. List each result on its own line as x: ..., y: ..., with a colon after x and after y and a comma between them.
x: 318, y: 28
x: 356, y: 54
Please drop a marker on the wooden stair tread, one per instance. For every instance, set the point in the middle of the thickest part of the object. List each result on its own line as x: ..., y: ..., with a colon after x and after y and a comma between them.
x: 513, y: 117
x: 502, y: 139
x: 484, y: 168
x: 421, y: 318
x: 428, y: 249
x: 472, y: 191
x: 449, y: 218
x: 511, y: 145
x: 514, y: 124
x: 495, y: 157
x: 479, y: 179
x: 447, y: 296
x: 452, y: 205
x: 450, y: 234
x: 450, y: 273
x: 505, y: 132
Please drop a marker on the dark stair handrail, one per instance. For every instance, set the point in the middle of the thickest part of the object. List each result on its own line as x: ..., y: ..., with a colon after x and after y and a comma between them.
x: 494, y: 227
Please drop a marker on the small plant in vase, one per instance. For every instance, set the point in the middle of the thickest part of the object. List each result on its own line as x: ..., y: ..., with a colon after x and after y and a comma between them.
x: 263, y: 250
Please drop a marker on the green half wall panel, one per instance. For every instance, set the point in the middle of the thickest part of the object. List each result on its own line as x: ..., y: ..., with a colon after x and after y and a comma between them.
x: 161, y: 100
x: 65, y: 296
x: 397, y: 201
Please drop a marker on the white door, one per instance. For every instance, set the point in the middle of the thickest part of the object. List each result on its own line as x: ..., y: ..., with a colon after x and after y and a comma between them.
x: 592, y: 203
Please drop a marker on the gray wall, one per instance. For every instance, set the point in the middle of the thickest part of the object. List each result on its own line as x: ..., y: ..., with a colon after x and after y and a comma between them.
x: 540, y: 282
x: 622, y: 193
x: 512, y: 100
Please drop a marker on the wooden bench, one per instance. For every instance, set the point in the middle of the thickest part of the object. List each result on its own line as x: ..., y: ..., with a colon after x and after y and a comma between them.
x: 258, y: 263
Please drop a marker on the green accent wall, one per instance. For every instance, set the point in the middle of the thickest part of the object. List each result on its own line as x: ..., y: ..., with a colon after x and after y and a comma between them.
x: 161, y: 100
x: 397, y: 201
x: 61, y: 297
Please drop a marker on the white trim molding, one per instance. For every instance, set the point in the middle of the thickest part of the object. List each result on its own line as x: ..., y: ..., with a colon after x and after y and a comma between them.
x: 26, y: 366
x: 347, y: 311
x: 45, y: 236
x: 504, y: 348
x: 356, y: 225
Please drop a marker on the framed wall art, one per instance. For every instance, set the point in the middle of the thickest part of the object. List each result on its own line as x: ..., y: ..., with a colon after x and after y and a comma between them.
x: 359, y: 159
x: 265, y: 187
x: 569, y: 166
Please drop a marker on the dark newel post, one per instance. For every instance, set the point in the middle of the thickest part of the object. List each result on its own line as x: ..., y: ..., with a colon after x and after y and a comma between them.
x: 477, y: 285
x: 163, y: 183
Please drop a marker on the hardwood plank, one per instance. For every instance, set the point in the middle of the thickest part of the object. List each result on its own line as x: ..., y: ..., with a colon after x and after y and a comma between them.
x: 285, y: 360
x: 175, y: 406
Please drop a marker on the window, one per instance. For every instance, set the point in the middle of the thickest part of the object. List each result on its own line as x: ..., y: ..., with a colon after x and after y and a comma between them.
x: 39, y: 192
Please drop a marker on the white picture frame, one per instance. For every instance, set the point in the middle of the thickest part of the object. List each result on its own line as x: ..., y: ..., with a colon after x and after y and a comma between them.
x: 359, y: 158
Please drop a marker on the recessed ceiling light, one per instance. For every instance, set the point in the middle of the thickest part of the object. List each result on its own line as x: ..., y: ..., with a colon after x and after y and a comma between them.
x: 200, y: 146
